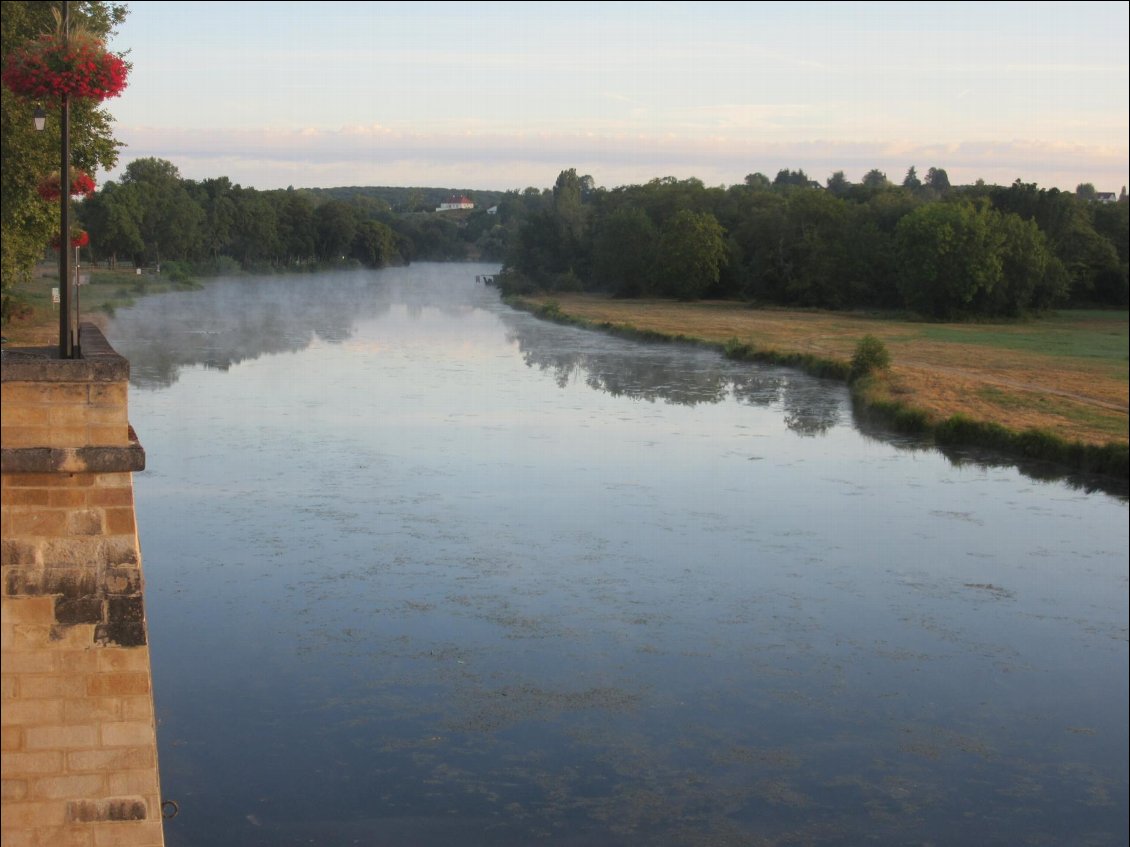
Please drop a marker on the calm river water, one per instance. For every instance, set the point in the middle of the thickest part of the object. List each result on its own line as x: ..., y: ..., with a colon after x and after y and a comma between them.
x: 423, y: 570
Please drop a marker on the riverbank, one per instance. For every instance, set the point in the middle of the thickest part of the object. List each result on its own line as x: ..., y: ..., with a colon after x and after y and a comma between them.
x: 1054, y: 388
x: 104, y: 290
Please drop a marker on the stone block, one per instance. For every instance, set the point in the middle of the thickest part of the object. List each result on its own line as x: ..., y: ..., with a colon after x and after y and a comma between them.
x: 29, y: 816
x: 73, y: 636
x: 121, y: 522
x: 121, y: 634
x: 128, y: 734
x: 118, y: 684
x: 111, y: 497
x: 50, y: 523
x: 137, y: 709
x: 92, y: 710
x: 84, y: 609
x: 12, y: 738
x: 29, y: 713
x: 121, y: 659
x: 107, y: 809
x: 53, y: 685
x: 110, y: 761
x: 12, y: 789
x: 135, y: 781
x: 71, y: 737
x: 84, y: 522
x: 62, y: 787
x: 147, y: 833
x: 28, y: 610
x: 32, y: 764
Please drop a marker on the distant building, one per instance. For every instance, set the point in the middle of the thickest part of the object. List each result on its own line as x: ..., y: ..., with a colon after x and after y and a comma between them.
x: 1106, y: 197
x: 493, y: 210
x: 455, y: 201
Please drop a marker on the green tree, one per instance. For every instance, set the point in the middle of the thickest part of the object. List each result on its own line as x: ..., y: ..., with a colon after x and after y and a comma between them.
x: 875, y: 180
x: 692, y: 249
x: 112, y: 217
x: 938, y: 179
x: 27, y: 223
x: 335, y: 225
x: 838, y: 184
x: 374, y: 245
x: 949, y: 255
x: 170, y: 223
x: 624, y: 252
x: 911, y: 179
x: 1086, y: 191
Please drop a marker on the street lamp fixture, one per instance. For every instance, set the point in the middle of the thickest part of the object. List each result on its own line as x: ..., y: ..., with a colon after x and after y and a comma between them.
x: 40, y: 119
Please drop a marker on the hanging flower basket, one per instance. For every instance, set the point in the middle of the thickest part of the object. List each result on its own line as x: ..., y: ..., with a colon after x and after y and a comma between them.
x: 52, y: 66
x: 79, y: 238
x: 82, y: 185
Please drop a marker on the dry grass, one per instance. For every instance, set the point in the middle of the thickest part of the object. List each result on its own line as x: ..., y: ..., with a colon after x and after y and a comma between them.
x: 972, y: 371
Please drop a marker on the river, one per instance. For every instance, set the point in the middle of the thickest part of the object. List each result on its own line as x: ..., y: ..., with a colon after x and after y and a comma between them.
x: 424, y: 570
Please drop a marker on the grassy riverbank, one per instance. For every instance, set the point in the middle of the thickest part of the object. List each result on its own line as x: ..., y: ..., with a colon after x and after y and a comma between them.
x: 1054, y: 388
x: 38, y: 323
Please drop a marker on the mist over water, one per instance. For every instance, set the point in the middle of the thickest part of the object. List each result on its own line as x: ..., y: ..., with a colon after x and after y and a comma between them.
x: 425, y: 570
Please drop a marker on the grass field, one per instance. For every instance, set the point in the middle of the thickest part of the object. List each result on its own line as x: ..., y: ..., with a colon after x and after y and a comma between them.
x: 1066, y: 374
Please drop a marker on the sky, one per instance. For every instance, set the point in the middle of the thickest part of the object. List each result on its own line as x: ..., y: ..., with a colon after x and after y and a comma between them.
x: 506, y: 95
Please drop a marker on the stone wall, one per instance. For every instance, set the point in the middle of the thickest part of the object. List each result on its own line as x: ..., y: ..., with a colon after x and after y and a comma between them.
x: 79, y: 758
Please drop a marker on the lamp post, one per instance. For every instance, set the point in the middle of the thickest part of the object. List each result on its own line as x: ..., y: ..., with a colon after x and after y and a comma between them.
x: 68, y: 349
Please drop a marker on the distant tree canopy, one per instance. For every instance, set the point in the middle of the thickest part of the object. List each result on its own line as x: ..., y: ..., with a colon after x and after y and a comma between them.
x: 152, y: 215
x: 945, y: 252
x: 924, y: 245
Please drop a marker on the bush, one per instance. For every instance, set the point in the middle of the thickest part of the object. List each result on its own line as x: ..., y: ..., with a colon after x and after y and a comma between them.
x: 870, y: 355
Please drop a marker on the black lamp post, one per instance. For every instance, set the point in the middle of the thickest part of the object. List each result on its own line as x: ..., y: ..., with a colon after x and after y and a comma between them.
x: 68, y: 348
x: 68, y: 345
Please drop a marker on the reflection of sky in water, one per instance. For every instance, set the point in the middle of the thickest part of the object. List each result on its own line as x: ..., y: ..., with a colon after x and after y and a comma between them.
x: 435, y: 572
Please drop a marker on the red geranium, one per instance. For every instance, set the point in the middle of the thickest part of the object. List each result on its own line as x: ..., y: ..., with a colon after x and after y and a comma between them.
x: 52, y: 66
x: 82, y: 185
x: 79, y: 238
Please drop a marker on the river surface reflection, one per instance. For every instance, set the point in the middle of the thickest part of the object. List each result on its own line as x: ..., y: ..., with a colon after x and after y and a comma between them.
x: 424, y: 570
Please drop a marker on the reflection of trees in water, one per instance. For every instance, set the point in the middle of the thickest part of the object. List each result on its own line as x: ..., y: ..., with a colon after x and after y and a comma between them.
x: 670, y: 372
x: 233, y: 321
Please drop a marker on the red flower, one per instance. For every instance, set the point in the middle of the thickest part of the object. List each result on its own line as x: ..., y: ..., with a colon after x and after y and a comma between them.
x: 79, y: 238
x: 82, y: 184
x: 49, y: 67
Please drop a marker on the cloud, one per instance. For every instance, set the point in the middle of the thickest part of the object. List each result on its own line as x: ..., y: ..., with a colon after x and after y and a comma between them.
x: 379, y: 155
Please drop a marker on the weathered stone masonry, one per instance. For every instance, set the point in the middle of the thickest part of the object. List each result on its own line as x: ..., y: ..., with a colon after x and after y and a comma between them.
x: 79, y: 758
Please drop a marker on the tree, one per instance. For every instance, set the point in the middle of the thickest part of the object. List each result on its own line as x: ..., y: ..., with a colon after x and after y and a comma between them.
x: 691, y: 252
x: 26, y: 221
x: 875, y: 180
x: 170, y: 221
x: 786, y: 178
x: 938, y: 179
x: 1086, y: 191
x: 838, y: 184
x: 911, y: 179
x: 624, y: 252
x: 335, y: 225
x: 374, y: 245
x: 949, y: 255
x: 757, y: 181
x: 112, y: 216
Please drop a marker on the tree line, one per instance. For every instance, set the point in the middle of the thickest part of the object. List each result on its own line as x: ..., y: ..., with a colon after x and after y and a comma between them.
x: 152, y: 215
x: 923, y: 245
